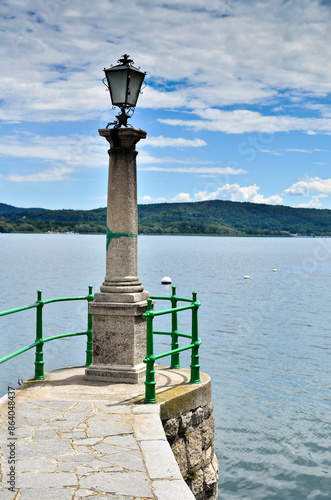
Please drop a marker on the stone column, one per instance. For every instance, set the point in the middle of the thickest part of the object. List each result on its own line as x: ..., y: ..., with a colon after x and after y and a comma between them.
x: 119, y: 330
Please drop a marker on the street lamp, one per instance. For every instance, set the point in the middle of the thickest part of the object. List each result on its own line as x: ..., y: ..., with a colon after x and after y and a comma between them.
x: 119, y: 328
x: 124, y: 85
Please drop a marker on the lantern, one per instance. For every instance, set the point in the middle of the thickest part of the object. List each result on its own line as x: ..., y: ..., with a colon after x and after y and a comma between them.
x: 124, y: 83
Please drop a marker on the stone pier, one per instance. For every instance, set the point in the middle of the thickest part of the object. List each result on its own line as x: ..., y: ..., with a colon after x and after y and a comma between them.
x: 75, y: 439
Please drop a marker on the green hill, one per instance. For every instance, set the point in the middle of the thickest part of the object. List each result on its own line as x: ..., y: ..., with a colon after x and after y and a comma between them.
x: 228, y: 217
x: 216, y: 217
x: 7, y: 209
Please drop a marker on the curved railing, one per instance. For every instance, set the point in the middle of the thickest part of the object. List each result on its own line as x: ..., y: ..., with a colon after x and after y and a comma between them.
x: 150, y: 383
x: 40, y: 341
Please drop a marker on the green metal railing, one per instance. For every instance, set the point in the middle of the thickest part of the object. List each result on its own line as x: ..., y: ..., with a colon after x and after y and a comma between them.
x: 150, y: 384
x: 40, y: 341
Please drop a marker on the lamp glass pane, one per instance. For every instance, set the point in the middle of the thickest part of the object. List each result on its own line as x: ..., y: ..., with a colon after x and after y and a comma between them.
x: 136, y: 79
x: 117, y: 85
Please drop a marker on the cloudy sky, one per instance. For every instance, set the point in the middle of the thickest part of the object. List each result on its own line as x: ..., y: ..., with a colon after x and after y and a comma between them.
x: 237, y: 104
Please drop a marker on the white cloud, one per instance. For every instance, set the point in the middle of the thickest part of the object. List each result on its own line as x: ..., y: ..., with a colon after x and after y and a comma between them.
x: 175, y: 142
x: 182, y: 197
x: 64, y: 155
x: 149, y: 199
x: 309, y: 186
x: 324, y: 109
x: 234, y: 192
x: 155, y: 99
x: 197, y: 170
x: 299, y: 150
x: 54, y: 174
x: 313, y: 203
x: 85, y: 152
x: 275, y: 153
x: 318, y: 150
x: 53, y: 53
x: 76, y: 150
x: 145, y: 158
x: 241, y: 121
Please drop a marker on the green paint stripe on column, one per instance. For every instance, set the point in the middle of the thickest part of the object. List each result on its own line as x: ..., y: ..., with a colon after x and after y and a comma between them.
x: 111, y: 236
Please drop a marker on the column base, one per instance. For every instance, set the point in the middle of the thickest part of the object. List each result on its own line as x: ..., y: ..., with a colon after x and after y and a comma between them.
x: 120, y: 297
x: 121, y: 290
x: 119, y: 338
x: 121, y: 374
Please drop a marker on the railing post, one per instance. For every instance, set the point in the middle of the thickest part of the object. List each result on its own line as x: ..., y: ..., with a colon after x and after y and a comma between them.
x: 195, y: 366
x: 150, y: 383
x: 39, y: 357
x: 89, y: 329
x: 174, y: 331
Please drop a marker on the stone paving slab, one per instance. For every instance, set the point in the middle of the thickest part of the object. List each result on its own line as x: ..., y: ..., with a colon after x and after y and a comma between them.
x: 77, y: 439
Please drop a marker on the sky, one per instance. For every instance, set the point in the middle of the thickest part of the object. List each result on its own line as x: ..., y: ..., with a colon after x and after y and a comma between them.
x: 237, y: 103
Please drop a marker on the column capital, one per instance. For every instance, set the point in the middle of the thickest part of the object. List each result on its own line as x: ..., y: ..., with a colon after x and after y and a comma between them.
x: 123, y: 138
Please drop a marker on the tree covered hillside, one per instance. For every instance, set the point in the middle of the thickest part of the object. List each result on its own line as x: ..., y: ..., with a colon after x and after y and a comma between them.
x: 228, y: 217
x: 216, y: 217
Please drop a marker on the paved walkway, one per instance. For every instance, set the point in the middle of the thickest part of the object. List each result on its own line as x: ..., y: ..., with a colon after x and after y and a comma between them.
x: 77, y: 439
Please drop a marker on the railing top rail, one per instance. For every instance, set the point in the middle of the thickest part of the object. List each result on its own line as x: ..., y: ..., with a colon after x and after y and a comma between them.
x: 18, y: 309
x: 63, y: 335
x: 48, y: 301
x: 168, y: 311
x: 39, y: 337
x: 184, y: 335
x: 182, y: 299
x: 66, y: 299
x: 16, y: 353
x: 168, y: 353
x: 155, y: 297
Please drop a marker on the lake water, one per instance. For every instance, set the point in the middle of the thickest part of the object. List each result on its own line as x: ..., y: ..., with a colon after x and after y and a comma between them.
x: 266, y: 341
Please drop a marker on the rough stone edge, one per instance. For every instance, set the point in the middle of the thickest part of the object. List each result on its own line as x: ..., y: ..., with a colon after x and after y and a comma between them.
x: 183, y: 400
x: 171, y: 479
x: 173, y: 403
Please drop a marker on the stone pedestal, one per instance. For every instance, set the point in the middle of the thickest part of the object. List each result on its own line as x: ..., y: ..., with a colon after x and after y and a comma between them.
x: 119, y: 330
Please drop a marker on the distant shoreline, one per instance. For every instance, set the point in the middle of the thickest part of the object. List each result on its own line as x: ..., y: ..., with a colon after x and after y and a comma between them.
x: 175, y: 234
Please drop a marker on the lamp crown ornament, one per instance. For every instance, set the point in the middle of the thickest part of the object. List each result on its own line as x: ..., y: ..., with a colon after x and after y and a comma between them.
x: 125, y: 59
x: 124, y: 82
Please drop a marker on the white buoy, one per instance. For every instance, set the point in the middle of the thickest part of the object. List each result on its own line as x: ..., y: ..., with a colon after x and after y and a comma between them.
x: 166, y: 280
x: 275, y: 270
x: 246, y: 277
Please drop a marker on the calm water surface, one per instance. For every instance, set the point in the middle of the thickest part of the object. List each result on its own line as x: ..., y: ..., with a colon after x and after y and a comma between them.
x: 266, y: 341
